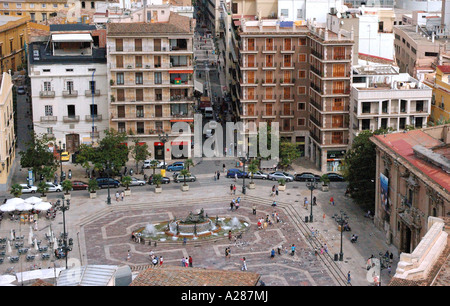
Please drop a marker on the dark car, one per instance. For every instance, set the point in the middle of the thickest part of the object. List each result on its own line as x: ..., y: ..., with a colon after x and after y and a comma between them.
x: 334, y: 177
x: 306, y: 177
x: 232, y: 173
x: 164, y: 180
x: 21, y: 90
x: 105, y: 182
x: 79, y: 185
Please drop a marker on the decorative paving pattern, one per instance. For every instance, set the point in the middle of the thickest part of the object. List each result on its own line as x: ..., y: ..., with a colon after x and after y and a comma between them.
x: 107, y: 239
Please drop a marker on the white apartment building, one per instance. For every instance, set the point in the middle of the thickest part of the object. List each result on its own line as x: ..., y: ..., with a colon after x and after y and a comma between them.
x: 69, y: 88
x: 383, y: 98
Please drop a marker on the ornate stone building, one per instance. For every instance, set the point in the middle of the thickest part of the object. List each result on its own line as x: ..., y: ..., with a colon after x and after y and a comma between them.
x: 413, y: 183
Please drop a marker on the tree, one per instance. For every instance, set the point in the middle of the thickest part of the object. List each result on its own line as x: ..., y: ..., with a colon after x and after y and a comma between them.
x: 188, y: 163
x: 139, y: 152
x: 126, y: 181
x: 67, y: 186
x: 38, y: 157
x: 154, y: 164
x: 184, y: 173
x: 16, y: 190
x: 157, y: 179
x: 325, y: 179
x: 93, y: 185
x: 288, y: 153
x: 359, y: 168
x: 253, y: 167
x: 42, y: 188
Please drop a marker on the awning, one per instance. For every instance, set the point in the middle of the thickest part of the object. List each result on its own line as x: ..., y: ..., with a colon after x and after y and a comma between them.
x: 182, y: 120
x: 181, y: 71
x: 198, y: 86
x: 179, y: 143
x: 72, y: 37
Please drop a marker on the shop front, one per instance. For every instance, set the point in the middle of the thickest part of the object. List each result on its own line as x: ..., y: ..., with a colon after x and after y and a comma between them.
x: 334, y: 160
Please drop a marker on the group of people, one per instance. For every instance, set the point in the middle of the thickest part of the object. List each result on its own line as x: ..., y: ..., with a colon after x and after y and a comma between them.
x: 264, y: 222
x: 216, y: 175
x: 120, y: 195
x: 232, y: 189
x: 187, y: 262
x: 235, y: 203
x: 274, y: 191
x: 155, y: 260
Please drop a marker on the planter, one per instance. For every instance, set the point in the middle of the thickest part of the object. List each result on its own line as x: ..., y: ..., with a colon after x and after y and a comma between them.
x: 158, y: 189
x: 325, y: 188
x: 67, y: 196
x: 92, y: 195
x: 44, y: 198
x: 184, y: 187
x: 251, y: 185
x: 127, y: 192
x: 282, y: 187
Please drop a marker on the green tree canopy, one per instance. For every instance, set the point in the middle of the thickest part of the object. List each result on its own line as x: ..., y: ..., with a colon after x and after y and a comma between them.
x: 38, y: 157
x: 288, y: 153
x: 139, y: 151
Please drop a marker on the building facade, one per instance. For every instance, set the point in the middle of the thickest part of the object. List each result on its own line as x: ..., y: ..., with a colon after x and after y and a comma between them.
x: 13, y: 37
x: 7, y: 133
x: 150, y: 68
x: 440, y: 103
x: 412, y: 183
x: 69, y: 87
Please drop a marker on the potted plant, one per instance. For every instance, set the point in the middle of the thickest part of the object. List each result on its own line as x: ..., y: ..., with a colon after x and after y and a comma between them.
x: 93, y: 187
x: 16, y: 190
x: 126, y: 181
x: 188, y: 163
x: 43, y: 188
x: 184, y: 173
x: 154, y: 164
x: 252, y: 168
x: 67, y: 186
x: 157, y: 180
x: 282, y: 184
x: 325, y: 182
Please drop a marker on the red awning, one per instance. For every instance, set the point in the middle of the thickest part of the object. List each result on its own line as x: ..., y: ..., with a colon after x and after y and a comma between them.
x: 181, y: 71
x: 158, y: 144
x: 179, y: 143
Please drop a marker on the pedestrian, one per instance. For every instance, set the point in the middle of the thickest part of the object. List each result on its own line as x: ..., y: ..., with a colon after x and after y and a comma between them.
x: 234, y: 189
x: 117, y: 196
x: 276, y: 191
x: 223, y: 165
x: 244, y: 264
x: 231, y: 189
x: 348, y: 278
x: 218, y: 175
x: 122, y: 194
x: 274, y: 203
x: 183, y: 262
x: 184, y: 240
x: 235, y: 177
x: 332, y: 201
x: 259, y: 224
x: 229, y: 235
x: 272, y: 254
x: 237, y: 205
x: 190, y: 262
x: 389, y: 270
x: 293, y: 250
x: 128, y: 255
x: 314, y: 200
x: 391, y: 258
x: 161, y: 261
x: 215, y: 176
x: 254, y: 209
x: 325, y: 248
x: 186, y: 262
x: 279, y: 250
x: 155, y: 261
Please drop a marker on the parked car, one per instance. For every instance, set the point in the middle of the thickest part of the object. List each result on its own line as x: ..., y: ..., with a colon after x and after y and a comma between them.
x: 306, y: 177
x: 231, y: 173
x: 28, y: 189
x: 105, y: 182
x: 165, y: 180
x: 176, y: 166
x: 21, y: 90
x: 278, y: 175
x: 65, y: 156
x: 53, y: 187
x: 180, y: 178
x: 147, y: 164
x: 334, y: 177
x: 260, y: 175
x: 79, y: 185
x: 137, y: 182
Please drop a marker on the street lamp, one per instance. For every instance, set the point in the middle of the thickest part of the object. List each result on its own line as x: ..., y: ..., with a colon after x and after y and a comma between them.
x: 61, y: 149
x: 244, y: 159
x: 311, y: 186
x: 164, y: 138
x: 342, y: 220
x: 66, y: 247
x: 108, y: 172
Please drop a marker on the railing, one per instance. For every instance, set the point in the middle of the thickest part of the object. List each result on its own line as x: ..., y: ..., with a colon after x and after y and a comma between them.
x: 88, y: 93
x: 70, y: 93
x: 287, y: 113
x: 49, y: 118
x: 314, y: 120
x: 317, y: 54
x: 95, y: 117
x: 50, y: 135
x: 95, y: 134
x: 47, y: 94
x: 68, y: 119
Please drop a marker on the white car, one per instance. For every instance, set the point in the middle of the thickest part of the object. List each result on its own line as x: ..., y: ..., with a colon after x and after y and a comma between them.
x: 277, y: 175
x: 28, y: 189
x: 53, y: 187
x: 147, y: 164
x: 137, y: 182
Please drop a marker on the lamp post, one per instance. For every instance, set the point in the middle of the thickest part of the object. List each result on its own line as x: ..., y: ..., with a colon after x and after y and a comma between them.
x: 311, y: 186
x: 342, y: 220
x: 108, y: 170
x: 66, y: 247
x: 164, y: 138
x: 244, y: 159
x: 61, y: 149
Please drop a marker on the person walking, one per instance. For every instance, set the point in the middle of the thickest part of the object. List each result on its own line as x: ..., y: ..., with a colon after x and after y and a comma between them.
x: 331, y: 201
x: 234, y: 189
x: 254, y: 209
x: 293, y: 250
x: 244, y: 264
x: 231, y: 189
x: 183, y: 262
x: 223, y: 165
x: 122, y: 195
x: 276, y: 190
x: 160, y: 260
x: 190, y: 262
x: 272, y: 254
x: 128, y: 255
x: 215, y: 175
x: 117, y: 196
x: 229, y: 235
x: 349, y: 278
x: 186, y: 262
x: 218, y: 175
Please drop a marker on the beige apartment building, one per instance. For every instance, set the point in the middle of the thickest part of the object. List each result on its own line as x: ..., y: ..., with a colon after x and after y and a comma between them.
x: 7, y: 134
x: 150, y: 68
x: 298, y: 75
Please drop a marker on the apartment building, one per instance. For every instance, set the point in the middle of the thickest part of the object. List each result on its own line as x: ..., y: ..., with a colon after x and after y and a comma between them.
x: 7, y: 133
x: 69, y: 85
x: 382, y: 98
x: 13, y: 36
x: 150, y: 68
x: 440, y: 102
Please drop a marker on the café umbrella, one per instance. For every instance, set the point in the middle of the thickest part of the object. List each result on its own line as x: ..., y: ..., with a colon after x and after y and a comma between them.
x: 24, y: 206
x: 36, y: 247
x: 8, y: 247
x: 33, y: 200
x: 8, y: 207
x: 15, y: 201
x: 42, y: 206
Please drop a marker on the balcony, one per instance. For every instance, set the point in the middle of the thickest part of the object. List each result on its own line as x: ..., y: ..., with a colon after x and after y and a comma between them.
x: 70, y: 93
x: 50, y: 136
x: 315, y: 121
x: 268, y: 115
x: 71, y: 119
x: 93, y: 117
x: 95, y: 134
x: 47, y: 94
x: 88, y: 93
x: 287, y: 114
x: 49, y: 119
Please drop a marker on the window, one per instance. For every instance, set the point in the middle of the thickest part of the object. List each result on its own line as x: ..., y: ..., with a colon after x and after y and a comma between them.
x: 302, y: 58
x: 157, y: 61
x: 32, y: 15
x: 302, y: 74
x: 55, y: 5
x: 139, y: 78
x: 45, y: 70
x: 139, y: 111
x: 302, y: 90
x: 301, y: 106
x: 139, y: 95
x: 251, y: 44
x: 138, y: 44
x: 18, y: 5
x: 71, y: 110
x: 269, y: 109
x: 119, y: 44
x: 251, y: 93
x: 93, y: 110
x: 69, y: 70
x: 269, y: 93
x: 434, y: 54
x: 157, y: 44
x: 251, y: 60
x: 44, y: 16
x: 337, y: 104
x: 69, y: 86
x: 284, y: 12
x: 287, y: 44
x: 302, y: 41
x: 49, y: 130
x: 287, y: 93
x: 121, y: 127
x: 301, y: 121
x: 119, y: 78
x: 83, y: 5
x: 338, y: 70
x: 269, y: 76
x: 138, y: 60
x: 47, y: 86
x: 269, y: 61
x: 49, y: 110
x: 269, y: 44
x: 158, y: 78
x: 120, y: 95
x: 337, y: 121
x: 92, y: 5
x: 287, y: 60
x: 158, y: 94
x: 158, y: 111
x: 121, y: 111
x: 234, y: 8
x: 337, y: 137
x: 299, y: 13
x: 6, y: 5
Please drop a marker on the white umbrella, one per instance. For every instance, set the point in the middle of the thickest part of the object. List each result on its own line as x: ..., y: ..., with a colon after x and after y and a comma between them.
x: 15, y: 201
x: 12, y: 234
x: 24, y: 206
x: 8, y: 247
x: 55, y: 244
x: 33, y: 200
x: 36, y: 247
x: 35, y: 225
x: 8, y: 207
x: 30, y: 238
x: 42, y: 206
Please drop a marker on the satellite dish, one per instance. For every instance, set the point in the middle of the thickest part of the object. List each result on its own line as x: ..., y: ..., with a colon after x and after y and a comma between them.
x: 338, y: 15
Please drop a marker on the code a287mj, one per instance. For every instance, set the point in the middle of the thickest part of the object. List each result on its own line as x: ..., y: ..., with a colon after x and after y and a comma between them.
x: 246, y: 295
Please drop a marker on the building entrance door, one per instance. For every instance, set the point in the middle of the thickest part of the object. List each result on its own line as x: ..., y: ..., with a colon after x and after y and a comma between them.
x: 72, y: 142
